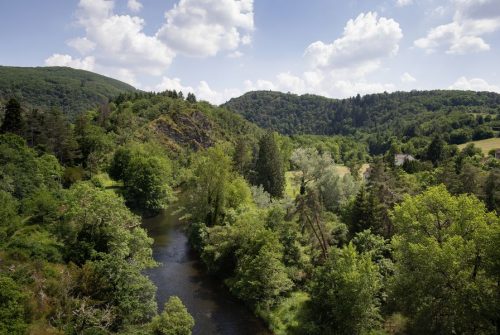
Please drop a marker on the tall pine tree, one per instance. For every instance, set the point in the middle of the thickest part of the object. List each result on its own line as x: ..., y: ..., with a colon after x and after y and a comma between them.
x: 13, y: 120
x: 269, y: 166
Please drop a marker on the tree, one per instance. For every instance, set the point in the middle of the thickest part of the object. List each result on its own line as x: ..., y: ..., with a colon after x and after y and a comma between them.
x: 269, y: 166
x: 13, y: 120
x: 344, y: 293
x: 97, y: 222
x: 492, y: 190
x: 242, y: 156
x: 435, y: 151
x: 365, y: 213
x: 441, y: 258
x: 174, y: 320
x: 117, y: 283
x: 191, y: 98
x: 215, y: 187
x: 146, y: 175
x: 9, y: 219
x: 12, y: 307
x: 147, y: 183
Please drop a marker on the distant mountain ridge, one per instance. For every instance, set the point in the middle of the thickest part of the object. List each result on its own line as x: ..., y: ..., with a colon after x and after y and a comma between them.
x: 398, y: 113
x: 69, y: 89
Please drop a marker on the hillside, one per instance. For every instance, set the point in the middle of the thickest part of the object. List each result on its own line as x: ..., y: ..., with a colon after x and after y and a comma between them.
x: 69, y: 89
x: 177, y: 123
x: 457, y: 114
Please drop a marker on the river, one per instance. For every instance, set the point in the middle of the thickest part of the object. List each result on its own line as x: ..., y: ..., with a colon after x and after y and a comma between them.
x: 215, y: 311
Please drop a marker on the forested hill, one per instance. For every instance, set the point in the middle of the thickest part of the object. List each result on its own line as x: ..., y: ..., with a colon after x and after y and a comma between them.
x: 422, y: 113
x: 69, y: 89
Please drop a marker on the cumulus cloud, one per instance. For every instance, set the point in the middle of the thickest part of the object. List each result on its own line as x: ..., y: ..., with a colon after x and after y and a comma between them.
x: 116, y: 44
x: 86, y: 63
x: 205, y: 27
x: 82, y: 44
x: 407, y: 78
x: 474, y: 84
x: 134, y: 5
x: 472, y: 19
x: 365, y: 42
x: 339, y: 68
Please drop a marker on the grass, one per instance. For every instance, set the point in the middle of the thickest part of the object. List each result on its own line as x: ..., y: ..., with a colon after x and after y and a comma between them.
x: 484, y: 145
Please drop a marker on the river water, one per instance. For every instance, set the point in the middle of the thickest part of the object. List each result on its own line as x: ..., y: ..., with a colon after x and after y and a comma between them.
x: 215, y: 311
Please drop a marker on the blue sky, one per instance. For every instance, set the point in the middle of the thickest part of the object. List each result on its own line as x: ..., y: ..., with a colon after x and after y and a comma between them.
x: 223, y: 48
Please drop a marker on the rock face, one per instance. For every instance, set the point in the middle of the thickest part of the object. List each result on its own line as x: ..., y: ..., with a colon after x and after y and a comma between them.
x: 193, y: 130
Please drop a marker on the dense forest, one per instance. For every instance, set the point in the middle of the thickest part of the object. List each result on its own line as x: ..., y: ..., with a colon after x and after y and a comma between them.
x: 322, y: 232
x: 459, y: 116
x: 71, y: 90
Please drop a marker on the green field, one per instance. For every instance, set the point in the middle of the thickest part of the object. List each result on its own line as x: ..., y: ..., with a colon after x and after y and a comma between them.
x: 485, y: 145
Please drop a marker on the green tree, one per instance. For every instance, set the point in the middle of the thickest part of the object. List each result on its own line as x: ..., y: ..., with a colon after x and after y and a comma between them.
x: 492, y: 190
x: 441, y: 258
x: 211, y: 184
x: 174, y: 320
x: 269, y: 166
x: 147, y: 182
x: 344, y: 293
x: 97, y: 222
x: 13, y: 120
x: 116, y: 282
x: 9, y: 218
x: 13, y: 315
x: 436, y: 151
x: 365, y: 213
x: 146, y: 176
x: 191, y: 98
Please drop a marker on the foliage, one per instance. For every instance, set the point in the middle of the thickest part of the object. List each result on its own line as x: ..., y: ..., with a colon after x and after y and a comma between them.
x: 12, y: 121
x: 121, y: 286
x: 378, y: 117
x: 97, y: 223
x: 269, y: 166
x: 344, y: 293
x: 441, y: 282
x: 13, y: 316
x: 174, y: 320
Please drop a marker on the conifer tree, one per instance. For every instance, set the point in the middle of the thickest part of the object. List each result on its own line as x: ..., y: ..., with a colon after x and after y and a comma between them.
x: 269, y: 166
x: 13, y: 121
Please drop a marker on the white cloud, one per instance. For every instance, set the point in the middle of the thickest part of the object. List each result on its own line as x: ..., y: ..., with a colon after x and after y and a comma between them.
x: 472, y: 19
x: 402, y: 3
x: 407, y: 78
x: 474, y: 84
x: 347, y: 88
x: 172, y: 84
x: 82, y: 44
x: 204, y: 27
x: 339, y: 69
x: 86, y: 63
x: 116, y: 44
x: 365, y: 42
x: 134, y: 5
x: 259, y: 85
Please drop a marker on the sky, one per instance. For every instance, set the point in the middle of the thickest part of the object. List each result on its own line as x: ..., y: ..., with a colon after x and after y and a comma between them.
x: 220, y: 49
